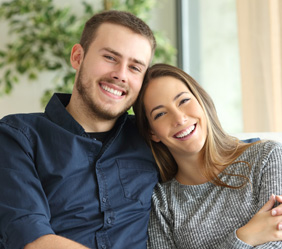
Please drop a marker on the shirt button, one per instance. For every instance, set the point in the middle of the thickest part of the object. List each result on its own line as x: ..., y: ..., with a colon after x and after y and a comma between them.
x: 109, y: 220
x: 104, y: 199
x: 103, y: 247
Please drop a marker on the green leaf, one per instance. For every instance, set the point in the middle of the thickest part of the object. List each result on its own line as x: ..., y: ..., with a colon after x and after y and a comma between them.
x: 43, y: 36
x: 32, y: 76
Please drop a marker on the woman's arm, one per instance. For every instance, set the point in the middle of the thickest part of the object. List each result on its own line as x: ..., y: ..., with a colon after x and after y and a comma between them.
x: 252, y: 234
x: 265, y: 226
x: 270, y: 182
x: 265, y: 220
x: 263, y: 229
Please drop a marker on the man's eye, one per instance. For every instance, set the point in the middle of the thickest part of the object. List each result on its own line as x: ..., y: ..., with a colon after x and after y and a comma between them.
x: 159, y: 115
x: 137, y: 69
x: 109, y: 57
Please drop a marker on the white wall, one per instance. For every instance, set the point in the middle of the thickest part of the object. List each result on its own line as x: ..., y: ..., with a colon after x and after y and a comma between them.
x: 26, y: 95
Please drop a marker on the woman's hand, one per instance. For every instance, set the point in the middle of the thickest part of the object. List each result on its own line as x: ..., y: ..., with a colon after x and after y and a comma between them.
x: 278, y: 210
x: 265, y: 226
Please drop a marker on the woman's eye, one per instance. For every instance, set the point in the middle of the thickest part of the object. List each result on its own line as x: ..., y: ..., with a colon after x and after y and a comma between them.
x: 183, y: 101
x: 159, y: 115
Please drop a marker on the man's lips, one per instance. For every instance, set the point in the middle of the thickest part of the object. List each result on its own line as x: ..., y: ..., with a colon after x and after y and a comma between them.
x: 184, y: 133
x: 112, y: 89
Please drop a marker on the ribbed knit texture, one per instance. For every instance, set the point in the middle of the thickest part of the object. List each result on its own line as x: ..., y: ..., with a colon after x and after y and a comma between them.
x: 207, y: 216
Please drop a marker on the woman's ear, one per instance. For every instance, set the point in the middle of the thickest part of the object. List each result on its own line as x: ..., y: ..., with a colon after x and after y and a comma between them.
x: 154, y: 137
x: 77, y: 55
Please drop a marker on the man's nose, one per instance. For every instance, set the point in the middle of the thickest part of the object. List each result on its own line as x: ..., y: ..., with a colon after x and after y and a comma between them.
x: 120, y: 73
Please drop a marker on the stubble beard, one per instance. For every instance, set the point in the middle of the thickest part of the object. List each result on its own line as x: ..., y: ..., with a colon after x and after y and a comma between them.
x: 91, y: 106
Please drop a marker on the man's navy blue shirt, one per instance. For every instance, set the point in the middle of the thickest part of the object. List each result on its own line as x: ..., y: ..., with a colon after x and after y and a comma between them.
x: 55, y: 179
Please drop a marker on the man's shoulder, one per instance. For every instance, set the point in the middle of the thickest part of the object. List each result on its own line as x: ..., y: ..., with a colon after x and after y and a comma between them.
x: 17, y: 120
x: 25, y: 125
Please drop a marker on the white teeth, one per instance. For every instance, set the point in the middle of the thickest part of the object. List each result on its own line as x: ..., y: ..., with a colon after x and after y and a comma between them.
x: 186, y: 133
x: 111, y: 90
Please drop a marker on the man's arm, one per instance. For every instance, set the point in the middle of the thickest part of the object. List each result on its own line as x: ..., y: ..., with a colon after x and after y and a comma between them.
x: 54, y: 242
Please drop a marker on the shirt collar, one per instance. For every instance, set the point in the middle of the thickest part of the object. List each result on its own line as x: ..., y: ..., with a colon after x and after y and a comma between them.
x: 57, y: 113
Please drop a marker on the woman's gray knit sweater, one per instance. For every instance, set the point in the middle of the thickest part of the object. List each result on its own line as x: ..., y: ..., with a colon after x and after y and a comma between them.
x: 207, y: 216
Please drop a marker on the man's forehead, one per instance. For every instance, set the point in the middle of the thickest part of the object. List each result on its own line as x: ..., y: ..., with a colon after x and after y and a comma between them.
x: 104, y: 28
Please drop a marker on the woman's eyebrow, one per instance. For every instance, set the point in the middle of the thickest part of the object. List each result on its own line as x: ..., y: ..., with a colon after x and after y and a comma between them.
x: 155, y: 108
x: 178, y: 95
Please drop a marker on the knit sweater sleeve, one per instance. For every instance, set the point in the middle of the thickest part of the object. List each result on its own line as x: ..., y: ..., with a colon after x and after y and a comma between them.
x: 270, y: 180
x: 160, y: 224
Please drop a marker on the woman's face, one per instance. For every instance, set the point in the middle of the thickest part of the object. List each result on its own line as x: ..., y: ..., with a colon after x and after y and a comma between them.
x: 175, y: 116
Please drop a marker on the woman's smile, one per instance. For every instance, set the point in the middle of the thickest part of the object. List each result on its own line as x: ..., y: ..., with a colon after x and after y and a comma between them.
x: 185, y: 134
x: 175, y: 116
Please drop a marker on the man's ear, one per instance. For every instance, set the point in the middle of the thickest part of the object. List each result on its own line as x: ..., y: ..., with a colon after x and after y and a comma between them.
x: 154, y: 137
x: 77, y: 54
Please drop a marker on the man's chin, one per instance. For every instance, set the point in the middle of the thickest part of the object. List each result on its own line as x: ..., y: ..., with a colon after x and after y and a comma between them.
x: 110, y: 115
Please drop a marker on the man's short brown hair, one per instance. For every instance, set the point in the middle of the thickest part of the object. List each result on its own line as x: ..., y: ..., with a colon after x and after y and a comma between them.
x: 122, y: 18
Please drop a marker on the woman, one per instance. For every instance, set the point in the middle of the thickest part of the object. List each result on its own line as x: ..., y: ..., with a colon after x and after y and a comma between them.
x: 214, y: 186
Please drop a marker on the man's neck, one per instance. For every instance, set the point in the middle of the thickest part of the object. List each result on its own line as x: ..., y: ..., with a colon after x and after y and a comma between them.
x: 89, y: 122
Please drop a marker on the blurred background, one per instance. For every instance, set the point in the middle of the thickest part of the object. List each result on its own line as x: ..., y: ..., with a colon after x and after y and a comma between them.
x: 231, y: 47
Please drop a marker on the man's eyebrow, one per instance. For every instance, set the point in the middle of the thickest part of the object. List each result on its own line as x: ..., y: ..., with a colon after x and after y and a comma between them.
x: 174, y: 99
x: 120, y: 55
x: 111, y: 51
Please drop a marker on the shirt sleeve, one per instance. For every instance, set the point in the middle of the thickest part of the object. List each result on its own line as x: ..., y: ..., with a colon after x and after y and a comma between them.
x: 160, y: 223
x: 24, y: 210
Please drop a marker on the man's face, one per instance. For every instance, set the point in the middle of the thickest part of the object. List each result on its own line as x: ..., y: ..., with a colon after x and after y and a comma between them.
x: 110, y: 75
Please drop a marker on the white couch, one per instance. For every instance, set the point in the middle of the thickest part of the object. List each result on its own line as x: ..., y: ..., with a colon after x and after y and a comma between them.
x: 277, y: 136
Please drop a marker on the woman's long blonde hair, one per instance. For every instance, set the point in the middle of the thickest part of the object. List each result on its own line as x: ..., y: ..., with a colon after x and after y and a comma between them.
x: 220, y: 149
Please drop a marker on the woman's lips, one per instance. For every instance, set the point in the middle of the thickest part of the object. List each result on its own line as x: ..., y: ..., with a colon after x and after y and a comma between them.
x: 185, y: 133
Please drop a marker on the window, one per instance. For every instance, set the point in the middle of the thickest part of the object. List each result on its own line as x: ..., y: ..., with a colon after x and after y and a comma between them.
x: 209, y: 52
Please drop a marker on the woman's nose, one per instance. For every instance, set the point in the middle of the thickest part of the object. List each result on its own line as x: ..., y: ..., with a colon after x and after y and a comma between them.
x: 180, y: 118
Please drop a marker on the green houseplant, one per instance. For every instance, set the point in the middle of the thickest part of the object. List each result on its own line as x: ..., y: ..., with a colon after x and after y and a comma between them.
x: 44, y: 35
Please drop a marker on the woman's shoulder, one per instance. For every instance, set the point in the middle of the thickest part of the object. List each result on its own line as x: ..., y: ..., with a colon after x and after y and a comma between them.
x: 271, y: 143
x: 272, y: 150
x: 163, y: 188
x: 265, y: 147
x: 267, y: 153
x: 163, y: 193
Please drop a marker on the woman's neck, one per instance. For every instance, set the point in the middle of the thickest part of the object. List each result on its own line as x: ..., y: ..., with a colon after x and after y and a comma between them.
x: 190, y: 170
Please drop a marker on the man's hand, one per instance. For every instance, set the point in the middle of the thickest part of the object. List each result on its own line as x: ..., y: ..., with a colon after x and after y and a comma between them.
x: 51, y: 241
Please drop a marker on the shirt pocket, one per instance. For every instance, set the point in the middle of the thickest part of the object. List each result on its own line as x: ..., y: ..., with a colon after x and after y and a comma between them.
x: 138, y: 179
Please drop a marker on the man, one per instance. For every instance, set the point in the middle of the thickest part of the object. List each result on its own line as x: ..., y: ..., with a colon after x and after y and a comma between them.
x: 79, y: 175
